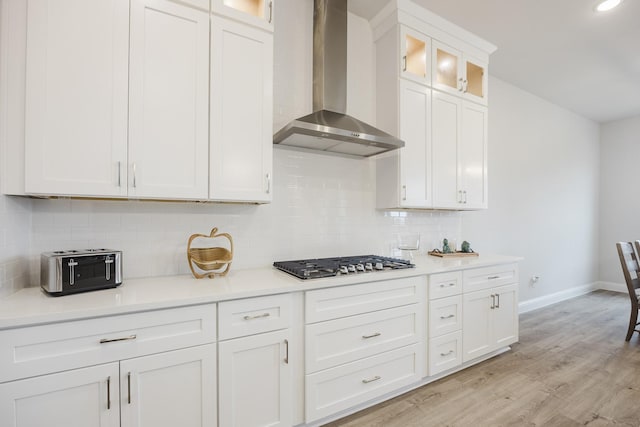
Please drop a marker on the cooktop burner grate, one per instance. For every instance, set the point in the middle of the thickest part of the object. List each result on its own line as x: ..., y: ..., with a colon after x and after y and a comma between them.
x: 329, y: 267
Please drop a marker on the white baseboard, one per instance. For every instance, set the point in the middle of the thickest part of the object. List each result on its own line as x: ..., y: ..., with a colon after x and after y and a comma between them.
x: 545, y: 300
x: 611, y: 286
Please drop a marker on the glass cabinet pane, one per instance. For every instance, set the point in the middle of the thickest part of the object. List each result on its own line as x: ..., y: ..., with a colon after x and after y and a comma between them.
x: 475, y: 79
x: 251, y: 7
x: 447, y: 68
x: 416, y: 56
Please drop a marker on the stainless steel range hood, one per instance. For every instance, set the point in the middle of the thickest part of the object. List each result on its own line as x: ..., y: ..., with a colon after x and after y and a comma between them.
x: 329, y: 129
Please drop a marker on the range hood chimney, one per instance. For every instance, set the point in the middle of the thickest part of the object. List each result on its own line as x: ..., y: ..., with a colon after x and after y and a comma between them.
x: 329, y: 129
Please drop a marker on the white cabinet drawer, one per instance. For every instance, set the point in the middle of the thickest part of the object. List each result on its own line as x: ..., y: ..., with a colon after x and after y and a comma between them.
x: 339, y: 341
x: 336, y: 389
x: 488, y: 277
x: 445, y: 352
x: 445, y: 315
x: 333, y: 303
x: 251, y: 316
x: 445, y: 284
x: 38, y: 350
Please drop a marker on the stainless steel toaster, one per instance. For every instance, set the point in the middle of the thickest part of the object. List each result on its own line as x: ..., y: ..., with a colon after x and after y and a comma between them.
x: 72, y: 271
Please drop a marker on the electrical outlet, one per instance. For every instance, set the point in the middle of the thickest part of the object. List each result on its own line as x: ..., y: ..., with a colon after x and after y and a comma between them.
x: 533, y: 281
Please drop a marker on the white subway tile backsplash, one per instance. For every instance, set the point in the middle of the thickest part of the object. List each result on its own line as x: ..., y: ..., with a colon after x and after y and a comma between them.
x: 323, y: 206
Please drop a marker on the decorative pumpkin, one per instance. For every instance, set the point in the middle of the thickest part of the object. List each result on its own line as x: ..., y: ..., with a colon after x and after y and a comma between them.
x: 210, y: 260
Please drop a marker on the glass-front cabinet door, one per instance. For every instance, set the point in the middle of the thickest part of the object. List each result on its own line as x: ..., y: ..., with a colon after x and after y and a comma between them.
x: 459, y: 74
x: 475, y: 80
x: 258, y: 13
x: 447, y: 64
x: 415, y: 56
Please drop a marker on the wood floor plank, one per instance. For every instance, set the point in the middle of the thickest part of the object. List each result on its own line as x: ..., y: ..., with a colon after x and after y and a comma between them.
x: 571, y: 367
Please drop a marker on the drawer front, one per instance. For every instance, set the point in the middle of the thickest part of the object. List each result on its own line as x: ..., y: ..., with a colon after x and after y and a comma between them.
x: 333, y: 303
x: 336, y: 389
x: 445, y: 352
x: 251, y: 316
x: 38, y: 350
x: 445, y: 316
x: 488, y: 277
x: 339, y: 341
x: 445, y: 284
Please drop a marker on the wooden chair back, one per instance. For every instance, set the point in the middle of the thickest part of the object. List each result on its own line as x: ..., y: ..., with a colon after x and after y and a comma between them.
x: 631, y: 270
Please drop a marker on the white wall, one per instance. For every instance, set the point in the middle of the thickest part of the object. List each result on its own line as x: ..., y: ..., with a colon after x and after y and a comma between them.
x: 543, y: 191
x: 619, y: 201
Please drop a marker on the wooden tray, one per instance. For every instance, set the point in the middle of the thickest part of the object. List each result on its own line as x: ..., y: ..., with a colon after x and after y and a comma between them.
x: 453, y: 255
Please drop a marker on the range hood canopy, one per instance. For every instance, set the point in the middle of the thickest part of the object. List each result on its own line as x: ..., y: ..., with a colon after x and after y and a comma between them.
x: 329, y: 129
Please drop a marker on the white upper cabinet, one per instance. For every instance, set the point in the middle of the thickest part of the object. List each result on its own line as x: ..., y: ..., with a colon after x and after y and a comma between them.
x: 458, y: 73
x: 168, y: 122
x: 459, y: 153
x: 415, y: 55
x: 241, y: 112
x: 76, y: 97
x: 258, y: 13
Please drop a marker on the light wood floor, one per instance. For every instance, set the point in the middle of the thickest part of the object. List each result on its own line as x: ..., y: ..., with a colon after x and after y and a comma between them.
x: 571, y: 367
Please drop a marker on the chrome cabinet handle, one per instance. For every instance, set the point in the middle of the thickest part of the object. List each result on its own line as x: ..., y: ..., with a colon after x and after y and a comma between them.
x: 404, y: 63
x: 370, y: 380
x: 498, y: 298
x: 366, y: 337
x: 447, y: 353
x: 447, y: 317
x: 119, y: 174
x: 404, y: 192
x: 493, y: 277
x: 270, y: 11
x: 134, y: 175
x: 286, y: 356
x: 257, y: 316
x: 108, y: 393
x: 461, y: 85
x: 493, y: 301
x: 268, y: 183
x: 129, y: 388
x: 442, y: 285
x: 460, y: 196
x: 129, y: 338
x: 72, y: 271
x: 465, y: 196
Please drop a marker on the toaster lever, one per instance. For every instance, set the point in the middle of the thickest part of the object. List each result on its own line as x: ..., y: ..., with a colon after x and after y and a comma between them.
x: 72, y: 271
x: 107, y: 263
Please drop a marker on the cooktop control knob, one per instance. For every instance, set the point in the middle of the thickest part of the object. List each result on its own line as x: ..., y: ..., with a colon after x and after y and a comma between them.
x: 360, y: 267
x: 368, y: 266
x: 379, y: 266
x: 344, y: 269
x: 352, y: 268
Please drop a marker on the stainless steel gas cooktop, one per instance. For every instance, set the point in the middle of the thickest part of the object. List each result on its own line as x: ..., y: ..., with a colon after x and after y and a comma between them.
x: 329, y: 267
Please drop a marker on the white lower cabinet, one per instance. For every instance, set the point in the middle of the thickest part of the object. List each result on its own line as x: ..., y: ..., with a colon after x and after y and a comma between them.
x: 150, y: 369
x: 255, y: 370
x: 490, y: 320
x: 445, y: 352
x: 361, y: 342
x: 176, y: 388
x: 255, y: 381
x: 86, y: 397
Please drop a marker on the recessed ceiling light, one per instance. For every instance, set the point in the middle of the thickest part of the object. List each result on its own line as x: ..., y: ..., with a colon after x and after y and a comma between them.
x: 605, y: 5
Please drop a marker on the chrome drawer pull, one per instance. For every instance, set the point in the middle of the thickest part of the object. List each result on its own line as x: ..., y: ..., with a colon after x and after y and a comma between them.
x: 493, y: 277
x: 376, y: 378
x: 447, y: 317
x: 447, y: 353
x: 286, y: 357
x: 257, y: 316
x: 442, y: 285
x: 129, y: 387
x: 377, y: 334
x: 129, y: 338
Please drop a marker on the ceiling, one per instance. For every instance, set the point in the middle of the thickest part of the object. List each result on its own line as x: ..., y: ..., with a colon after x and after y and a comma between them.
x: 559, y: 50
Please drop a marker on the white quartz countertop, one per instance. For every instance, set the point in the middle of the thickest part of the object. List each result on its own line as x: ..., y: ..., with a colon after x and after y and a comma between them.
x: 32, y: 306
